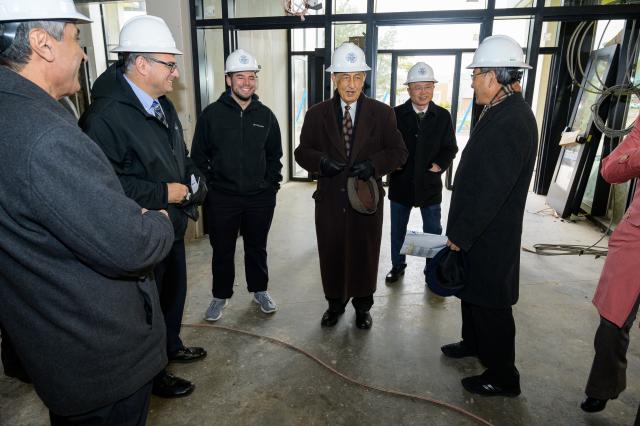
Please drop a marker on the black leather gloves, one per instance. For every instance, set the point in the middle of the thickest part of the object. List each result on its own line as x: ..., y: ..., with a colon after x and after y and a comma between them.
x: 330, y: 168
x: 363, y: 170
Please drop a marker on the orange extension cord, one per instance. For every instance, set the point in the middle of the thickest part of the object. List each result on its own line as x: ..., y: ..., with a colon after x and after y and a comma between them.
x: 345, y: 377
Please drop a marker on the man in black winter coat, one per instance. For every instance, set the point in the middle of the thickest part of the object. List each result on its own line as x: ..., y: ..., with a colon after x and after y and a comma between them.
x: 428, y: 133
x: 138, y: 128
x: 485, y: 217
x: 237, y: 145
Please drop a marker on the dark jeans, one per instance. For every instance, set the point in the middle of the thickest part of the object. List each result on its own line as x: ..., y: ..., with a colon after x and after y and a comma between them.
x: 608, y: 375
x: 361, y: 304
x: 250, y: 215
x: 171, y: 280
x: 129, y: 411
x: 400, y: 218
x: 491, y: 333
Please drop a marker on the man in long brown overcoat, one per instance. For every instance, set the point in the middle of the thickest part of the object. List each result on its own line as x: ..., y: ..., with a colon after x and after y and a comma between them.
x: 348, y: 135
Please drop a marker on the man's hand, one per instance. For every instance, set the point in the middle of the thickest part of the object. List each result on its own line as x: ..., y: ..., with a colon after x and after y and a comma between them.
x: 330, y: 167
x: 452, y: 246
x: 164, y: 212
x: 435, y: 168
x: 363, y: 170
x: 176, y: 193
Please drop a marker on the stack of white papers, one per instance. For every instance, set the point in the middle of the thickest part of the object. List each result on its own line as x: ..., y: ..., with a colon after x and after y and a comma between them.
x: 422, y: 244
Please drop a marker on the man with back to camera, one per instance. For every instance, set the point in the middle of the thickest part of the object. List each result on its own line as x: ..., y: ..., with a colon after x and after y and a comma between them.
x: 485, y: 217
x: 77, y: 295
x: 237, y: 145
x: 138, y: 128
x: 427, y: 131
x: 347, y: 136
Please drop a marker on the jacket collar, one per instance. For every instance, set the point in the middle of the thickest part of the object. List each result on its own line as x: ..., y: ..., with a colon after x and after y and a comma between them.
x: 491, y: 113
x: 365, y: 122
x: 407, y: 108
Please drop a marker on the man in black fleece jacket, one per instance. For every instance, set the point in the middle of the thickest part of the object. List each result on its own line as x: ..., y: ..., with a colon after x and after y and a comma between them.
x: 76, y: 294
x: 237, y: 145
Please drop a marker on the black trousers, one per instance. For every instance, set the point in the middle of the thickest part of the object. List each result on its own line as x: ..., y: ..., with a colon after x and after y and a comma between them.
x: 362, y: 304
x: 250, y: 215
x: 608, y: 376
x: 129, y: 411
x: 10, y: 362
x: 171, y: 280
x: 491, y: 333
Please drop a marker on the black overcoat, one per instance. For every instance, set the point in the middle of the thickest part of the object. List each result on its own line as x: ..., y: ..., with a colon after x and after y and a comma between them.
x: 348, y: 241
x: 430, y: 140
x: 488, y: 200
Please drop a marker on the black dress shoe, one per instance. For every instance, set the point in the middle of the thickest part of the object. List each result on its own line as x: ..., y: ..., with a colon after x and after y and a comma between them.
x: 363, y: 320
x: 457, y: 350
x: 482, y: 385
x: 395, y: 273
x: 167, y: 385
x: 593, y: 405
x: 330, y: 318
x: 188, y: 354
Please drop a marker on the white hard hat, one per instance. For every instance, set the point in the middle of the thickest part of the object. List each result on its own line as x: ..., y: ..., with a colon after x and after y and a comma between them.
x: 498, y: 51
x: 146, y: 34
x: 41, y: 10
x: 348, y: 58
x: 241, y: 60
x: 420, y: 72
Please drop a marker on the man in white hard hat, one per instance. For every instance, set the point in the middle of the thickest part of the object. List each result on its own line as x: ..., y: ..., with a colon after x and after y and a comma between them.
x: 485, y: 217
x: 237, y: 145
x: 347, y: 136
x: 77, y: 296
x: 428, y: 133
x: 137, y: 127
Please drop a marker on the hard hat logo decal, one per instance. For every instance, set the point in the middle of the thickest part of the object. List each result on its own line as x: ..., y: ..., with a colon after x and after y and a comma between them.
x: 351, y: 58
x: 244, y: 60
x: 422, y: 71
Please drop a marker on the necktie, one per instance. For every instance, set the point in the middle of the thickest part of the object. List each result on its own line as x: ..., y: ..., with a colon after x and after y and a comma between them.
x: 347, y: 130
x: 420, y: 115
x: 157, y: 111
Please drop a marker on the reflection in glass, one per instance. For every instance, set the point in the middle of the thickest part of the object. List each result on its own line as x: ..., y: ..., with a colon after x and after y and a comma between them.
x: 507, y: 4
x: 423, y: 6
x: 450, y: 36
x: 383, y: 78
x: 549, y: 36
x: 208, y: 9
x: 299, y: 103
x: 211, y: 64
x: 518, y: 29
x: 588, y: 98
x: 349, y: 6
x: 347, y: 32
x: 567, y: 166
x: 465, y: 106
x: 307, y: 39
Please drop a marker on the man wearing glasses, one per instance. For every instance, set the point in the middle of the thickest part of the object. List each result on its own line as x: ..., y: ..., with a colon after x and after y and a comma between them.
x: 138, y: 128
x: 237, y: 145
x: 427, y: 131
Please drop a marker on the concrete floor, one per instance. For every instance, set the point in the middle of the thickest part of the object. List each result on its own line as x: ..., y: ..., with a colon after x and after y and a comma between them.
x: 246, y: 380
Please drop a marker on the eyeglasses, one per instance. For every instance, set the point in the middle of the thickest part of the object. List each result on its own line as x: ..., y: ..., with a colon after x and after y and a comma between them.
x: 480, y: 73
x: 171, y: 65
x: 423, y: 88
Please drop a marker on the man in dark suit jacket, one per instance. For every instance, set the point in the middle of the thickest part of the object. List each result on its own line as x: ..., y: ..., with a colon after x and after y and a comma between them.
x: 485, y: 218
x: 349, y: 135
x: 427, y: 131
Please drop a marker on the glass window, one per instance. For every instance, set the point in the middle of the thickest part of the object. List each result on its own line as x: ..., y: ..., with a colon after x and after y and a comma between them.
x: 443, y: 70
x: 549, y: 36
x: 590, y: 2
x: 383, y: 78
x: 450, y: 36
x: 259, y: 8
x: 208, y: 9
x: 465, y: 109
x: 349, y: 6
x: 507, y: 4
x: 425, y: 6
x: 516, y: 28
x: 348, y: 32
x: 307, y: 39
x: 299, y: 103
x: 607, y: 31
x: 211, y: 64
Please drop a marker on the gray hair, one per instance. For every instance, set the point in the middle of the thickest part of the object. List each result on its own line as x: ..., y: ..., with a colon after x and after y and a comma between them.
x: 18, y: 53
x: 128, y: 59
x: 505, y: 75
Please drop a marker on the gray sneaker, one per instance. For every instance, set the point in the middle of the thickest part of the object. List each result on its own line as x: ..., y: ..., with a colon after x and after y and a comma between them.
x: 214, y: 312
x: 267, y: 305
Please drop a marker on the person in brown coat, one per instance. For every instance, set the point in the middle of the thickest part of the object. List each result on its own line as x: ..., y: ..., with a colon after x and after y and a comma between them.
x: 349, y: 135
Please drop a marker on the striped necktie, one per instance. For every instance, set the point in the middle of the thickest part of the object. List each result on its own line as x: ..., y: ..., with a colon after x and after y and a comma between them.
x: 157, y: 111
x: 347, y: 130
